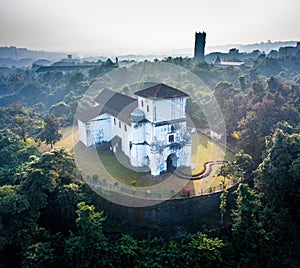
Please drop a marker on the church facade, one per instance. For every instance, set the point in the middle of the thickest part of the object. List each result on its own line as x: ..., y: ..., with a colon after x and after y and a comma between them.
x: 150, y: 129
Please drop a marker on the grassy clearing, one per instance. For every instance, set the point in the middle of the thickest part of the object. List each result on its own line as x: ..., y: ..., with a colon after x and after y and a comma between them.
x: 121, y: 173
x: 67, y: 138
x: 204, y: 150
x: 104, y: 163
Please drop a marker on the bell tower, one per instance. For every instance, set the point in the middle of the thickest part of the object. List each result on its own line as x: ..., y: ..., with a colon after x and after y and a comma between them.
x: 199, y: 46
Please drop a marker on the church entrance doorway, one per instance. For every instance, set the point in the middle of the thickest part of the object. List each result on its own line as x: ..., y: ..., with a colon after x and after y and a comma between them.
x: 171, y: 162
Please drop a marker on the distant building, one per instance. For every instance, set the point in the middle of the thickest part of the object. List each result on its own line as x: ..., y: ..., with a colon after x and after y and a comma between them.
x: 236, y: 64
x: 150, y: 130
x: 70, y: 65
x: 64, y: 69
x: 199, y: 46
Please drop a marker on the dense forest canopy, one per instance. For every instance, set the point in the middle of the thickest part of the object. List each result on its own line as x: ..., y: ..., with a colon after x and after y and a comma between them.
x: 49, y: 217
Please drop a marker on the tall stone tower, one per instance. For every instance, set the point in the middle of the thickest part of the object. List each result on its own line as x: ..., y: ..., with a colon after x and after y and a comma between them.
x: 199, y: 46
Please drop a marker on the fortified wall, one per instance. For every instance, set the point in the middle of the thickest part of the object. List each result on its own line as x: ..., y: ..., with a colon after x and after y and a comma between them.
x: 172, y: 212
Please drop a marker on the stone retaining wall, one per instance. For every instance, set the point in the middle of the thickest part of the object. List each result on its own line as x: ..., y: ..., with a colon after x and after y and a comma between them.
x: 177, y: 211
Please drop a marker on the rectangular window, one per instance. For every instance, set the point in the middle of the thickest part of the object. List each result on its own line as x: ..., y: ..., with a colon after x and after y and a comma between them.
x: 125, y: 127
x: 142, y: 103
x: 171, y: 138
x: 115, y: 121
x: 119, y: 124
x: 147, y: 108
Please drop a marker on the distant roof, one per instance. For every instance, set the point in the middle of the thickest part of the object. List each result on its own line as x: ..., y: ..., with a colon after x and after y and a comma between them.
x: 230, y: 63
x: 65, y: 68
x: 161, y: 91
x: 217, y: 60
x: 113, y: 103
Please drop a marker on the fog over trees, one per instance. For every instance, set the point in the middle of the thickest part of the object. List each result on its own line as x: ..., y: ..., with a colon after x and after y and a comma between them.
x: 50, y: 217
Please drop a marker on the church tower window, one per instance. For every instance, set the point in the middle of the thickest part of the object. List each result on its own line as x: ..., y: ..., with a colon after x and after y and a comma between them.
x: 171, y: 138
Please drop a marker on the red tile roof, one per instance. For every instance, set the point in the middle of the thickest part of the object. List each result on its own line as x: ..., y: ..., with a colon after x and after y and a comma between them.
x: 113, y: 103
x: 161, y: 91
x: 121, y: 106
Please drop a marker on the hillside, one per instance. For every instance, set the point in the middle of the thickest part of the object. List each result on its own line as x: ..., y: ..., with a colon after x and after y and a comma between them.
x: 24, y: 57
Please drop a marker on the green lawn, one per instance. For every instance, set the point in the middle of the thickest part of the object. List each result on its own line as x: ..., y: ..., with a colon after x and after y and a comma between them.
x: 120, y: 172
x: 204, y: 150
x: 104, y: 163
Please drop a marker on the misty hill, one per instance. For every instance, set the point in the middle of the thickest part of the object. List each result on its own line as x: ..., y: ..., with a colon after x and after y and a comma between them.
x: 18, y: 53
x: 23, y: 57
x: 266, y: 47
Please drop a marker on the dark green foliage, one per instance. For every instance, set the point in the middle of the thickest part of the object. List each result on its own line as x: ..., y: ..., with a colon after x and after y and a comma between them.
x: 60, y: 109
x: 50, y: 132
x: 232, y: 104
x: 40, y: 223
x: 196, y: 250
x: 183, y: 62
x: 279, y: 173
x: 65, y: 112
x: 223, y: 203
x: 243, y: 82
x: 40, y: 254
x: 247, y: 230
x: 13, y: 208
x: 279, y: 181
x: 264, y: 112
x: 88, y: 247
x: 20, y: 120
x: 42, y: 200
x: 202, y: 251
x: 245, y: 163
x: 13, y: 153
x: 47, y: 214
x: 128, y: 252
x: 195, y: 113
x: 269, y: 67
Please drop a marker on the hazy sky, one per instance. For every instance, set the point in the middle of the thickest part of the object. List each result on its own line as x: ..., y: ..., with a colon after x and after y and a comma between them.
x: 138, y: 26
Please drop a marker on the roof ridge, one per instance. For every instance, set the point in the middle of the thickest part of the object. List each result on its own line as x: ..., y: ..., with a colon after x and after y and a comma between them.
x: 161, y: 91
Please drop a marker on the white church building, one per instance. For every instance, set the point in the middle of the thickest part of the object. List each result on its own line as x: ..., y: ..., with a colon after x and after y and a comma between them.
x: 150, y: 129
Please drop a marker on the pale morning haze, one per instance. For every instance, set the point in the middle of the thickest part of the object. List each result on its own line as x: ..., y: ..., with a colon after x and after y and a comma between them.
x: 137, y: 26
